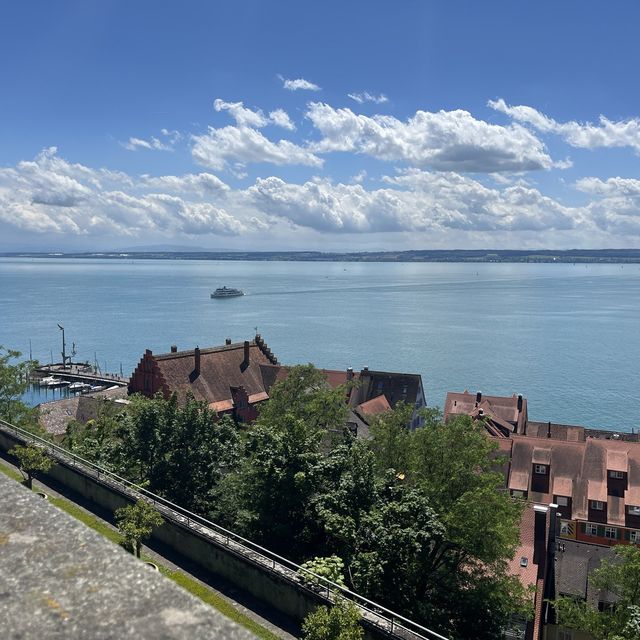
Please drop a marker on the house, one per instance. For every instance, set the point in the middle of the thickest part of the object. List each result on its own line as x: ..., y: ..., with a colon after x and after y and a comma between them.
x: 573, y: 565
x: 232, y: 379
x: 503, y: 415
x: 54, y: 416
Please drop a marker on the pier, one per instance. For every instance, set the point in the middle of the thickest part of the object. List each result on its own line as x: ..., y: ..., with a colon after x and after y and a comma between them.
x: 79, y: 373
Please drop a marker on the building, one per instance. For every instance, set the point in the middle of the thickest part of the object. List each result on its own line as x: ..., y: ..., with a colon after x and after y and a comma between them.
x: 234, y: 378
x: 231, y: 379
x: 503, y: 415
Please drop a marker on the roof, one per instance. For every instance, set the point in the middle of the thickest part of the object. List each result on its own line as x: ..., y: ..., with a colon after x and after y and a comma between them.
x: 373, y: 407
x: 500, y: 408
x: 574, y: 563
x: 221, y: 369
x: 528, y: 573
x: 395, y: 387
x: 56, y: 415
x: 577, y: 470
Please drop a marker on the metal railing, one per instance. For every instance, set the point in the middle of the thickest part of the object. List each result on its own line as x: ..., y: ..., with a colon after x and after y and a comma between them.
x: 375, y: 614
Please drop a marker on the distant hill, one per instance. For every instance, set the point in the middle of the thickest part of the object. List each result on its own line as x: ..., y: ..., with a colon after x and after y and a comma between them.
x: 604, y: 256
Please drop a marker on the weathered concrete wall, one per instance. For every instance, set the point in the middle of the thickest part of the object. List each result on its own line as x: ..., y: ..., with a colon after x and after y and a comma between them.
x: 267, y: 586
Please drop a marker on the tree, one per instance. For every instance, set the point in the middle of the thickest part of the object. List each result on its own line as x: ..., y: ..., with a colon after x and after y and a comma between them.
x: 136, y: 523
x: 329, y: 567
x: 341, y: 622
x: 620, y: 577
x: 459, y: 527
x: 32, y: 459
x: 14, y: 381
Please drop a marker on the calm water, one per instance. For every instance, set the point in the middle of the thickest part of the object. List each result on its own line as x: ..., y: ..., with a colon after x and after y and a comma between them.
x: 565, y: 336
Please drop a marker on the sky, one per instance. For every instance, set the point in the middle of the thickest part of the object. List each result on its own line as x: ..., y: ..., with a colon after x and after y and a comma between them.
x: 298, y: 125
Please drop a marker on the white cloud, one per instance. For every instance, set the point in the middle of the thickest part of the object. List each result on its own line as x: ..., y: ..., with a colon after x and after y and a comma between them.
x: 217, y: 147
x: 133, y: 144
x: 201, y: 183
x: 608, y: 133
x: 281, y: 118
x: 445, y: 141
x: 49, y: 194
x: 415, y: 201
x: 299, y: 84
x: 365, y: 96
x: 244, y: 117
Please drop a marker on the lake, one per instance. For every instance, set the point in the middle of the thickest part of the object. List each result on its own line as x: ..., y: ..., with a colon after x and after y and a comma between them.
x: 564, y: 336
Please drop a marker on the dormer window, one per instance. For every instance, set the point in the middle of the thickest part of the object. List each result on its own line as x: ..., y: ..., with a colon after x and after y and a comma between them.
x: 540, y: 469
x: 597, y: 505
x: 618, y: 475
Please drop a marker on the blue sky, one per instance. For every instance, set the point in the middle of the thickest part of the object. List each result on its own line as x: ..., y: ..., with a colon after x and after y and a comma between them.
x: 333, y: 125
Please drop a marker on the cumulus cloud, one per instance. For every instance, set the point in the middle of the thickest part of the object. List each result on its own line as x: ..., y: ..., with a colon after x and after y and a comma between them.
x: 281, y: 118
x: 586, y: 135
x: 615, y: 204
x: 415, y: 201
x: 299, y: 84
x: 244, y: 117
x: 49, y: 194
x: 365, y: 96
x: 200, y: 183
x: 217, y: 147
x: 445, y: 141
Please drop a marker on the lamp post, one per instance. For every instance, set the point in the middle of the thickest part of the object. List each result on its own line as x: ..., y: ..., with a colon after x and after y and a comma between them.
x: 64, y: 348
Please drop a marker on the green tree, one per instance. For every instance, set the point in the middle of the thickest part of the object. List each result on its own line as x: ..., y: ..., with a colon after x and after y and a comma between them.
x: 620, y: 577
x: 329, y: 567
x: 14, y: 381
x: 391, y: 439
x: 32, y: 460
x: 340, y: 622
x: 458, y: 525
x: 136, y: 523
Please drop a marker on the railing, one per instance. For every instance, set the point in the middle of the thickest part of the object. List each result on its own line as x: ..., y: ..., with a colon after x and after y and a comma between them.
x: 375, y: 614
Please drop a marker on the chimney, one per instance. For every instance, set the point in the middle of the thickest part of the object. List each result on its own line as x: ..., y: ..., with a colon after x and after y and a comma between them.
x: 519, y: 403
x: 196, y: 365
x: 365, y: 368
x: 479, y: 396
x: 349, y: 373
x: 174, y: 348
x: 245, y: 362
x: 549, y: 429
x: 227, y: 341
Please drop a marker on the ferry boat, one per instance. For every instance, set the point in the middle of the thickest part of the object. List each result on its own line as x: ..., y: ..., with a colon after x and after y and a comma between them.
x: 227, y: 292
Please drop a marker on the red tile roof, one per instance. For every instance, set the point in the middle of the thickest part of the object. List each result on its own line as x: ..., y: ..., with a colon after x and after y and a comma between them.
x: 374, y: 406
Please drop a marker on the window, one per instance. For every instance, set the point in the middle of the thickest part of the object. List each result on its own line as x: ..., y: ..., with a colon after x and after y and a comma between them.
x: 541, y: 469
x: 618, y: 475
x: 591, y: 530
x: 611, y: 533
x: 597, y: 505
x: 633, y: 511
x: 634, y: 536
x: 562, y: 501
x: 516, y: 493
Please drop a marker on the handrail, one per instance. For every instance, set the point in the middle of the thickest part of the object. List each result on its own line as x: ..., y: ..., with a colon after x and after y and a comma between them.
x: 394, y: 623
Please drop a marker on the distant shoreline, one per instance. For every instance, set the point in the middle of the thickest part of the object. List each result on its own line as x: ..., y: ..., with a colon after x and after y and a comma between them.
x: 581, y: 256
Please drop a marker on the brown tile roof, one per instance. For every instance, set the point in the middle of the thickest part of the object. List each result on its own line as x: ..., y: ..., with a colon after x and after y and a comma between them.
x: 578, y: 470
x: 221, y: 369
x: 529, y: 573
x: 503, y: 408
x: 374, y: 406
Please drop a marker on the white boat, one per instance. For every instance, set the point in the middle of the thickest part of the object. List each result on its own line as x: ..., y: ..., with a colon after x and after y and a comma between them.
x: 79, y: 386
x: 52, y: 381
x: 227, y: 292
